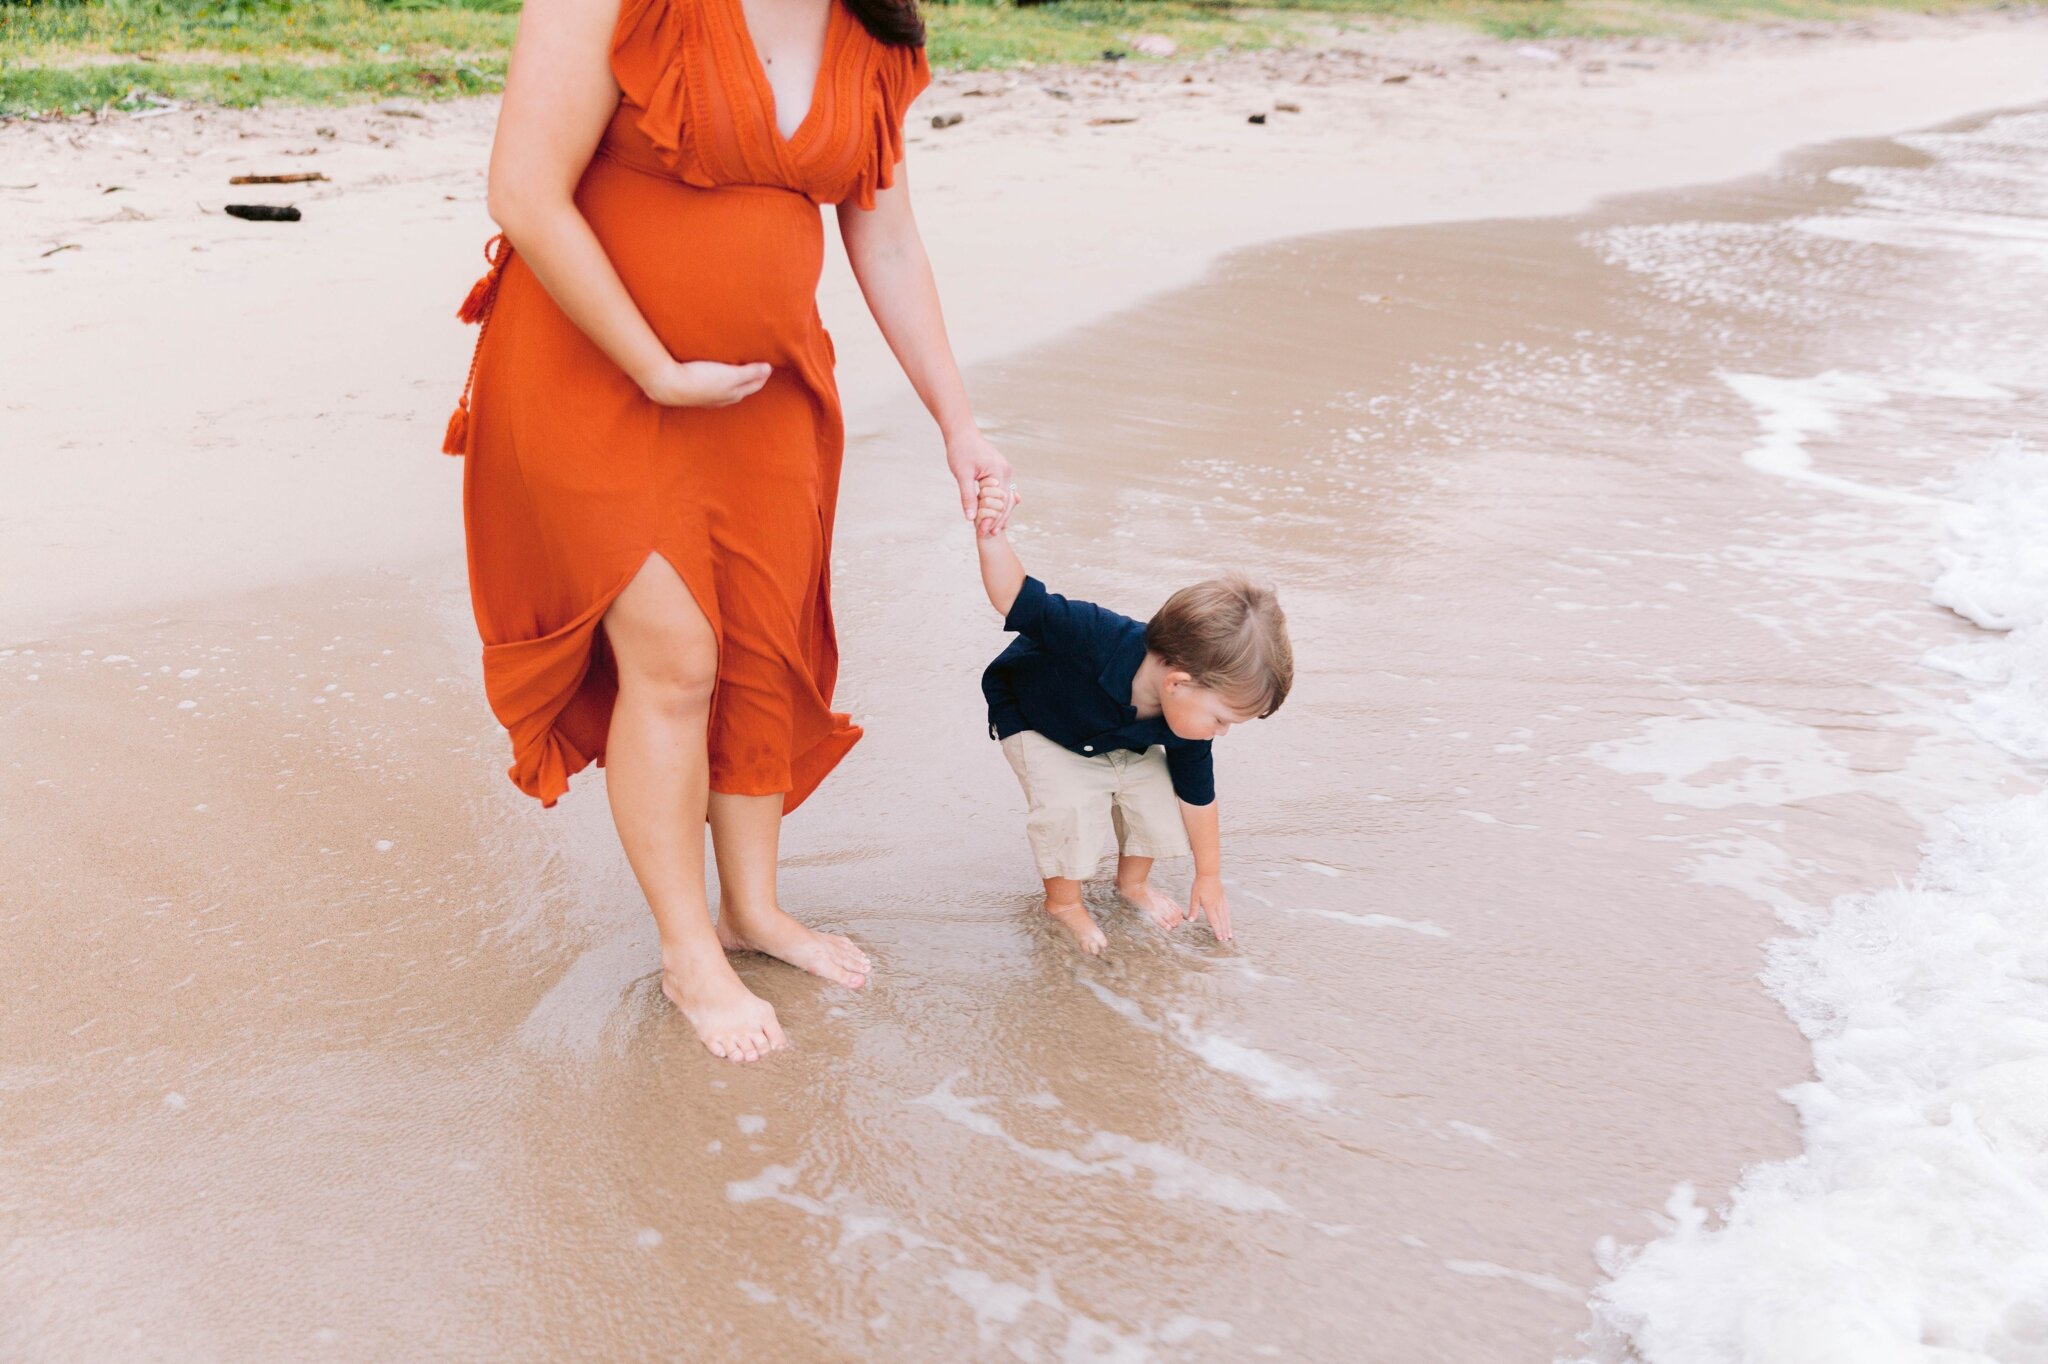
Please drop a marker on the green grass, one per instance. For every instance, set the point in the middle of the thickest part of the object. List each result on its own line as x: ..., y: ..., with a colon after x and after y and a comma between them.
x: 979, y: 36
x: 78, y: 55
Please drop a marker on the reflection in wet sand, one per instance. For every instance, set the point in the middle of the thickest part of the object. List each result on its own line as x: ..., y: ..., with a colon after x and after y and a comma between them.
x: 1605, y: 542
x: 1268, y: 1077
x: 1171, y: 1175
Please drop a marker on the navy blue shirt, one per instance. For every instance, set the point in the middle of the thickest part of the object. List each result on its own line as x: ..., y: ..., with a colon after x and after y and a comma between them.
x: 1068, y: 675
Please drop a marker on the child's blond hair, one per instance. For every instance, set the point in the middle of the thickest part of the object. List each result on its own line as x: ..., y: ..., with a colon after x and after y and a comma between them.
x: 1230, y: 636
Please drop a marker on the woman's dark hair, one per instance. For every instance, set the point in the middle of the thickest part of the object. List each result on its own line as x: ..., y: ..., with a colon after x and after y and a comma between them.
x: 895, y: 22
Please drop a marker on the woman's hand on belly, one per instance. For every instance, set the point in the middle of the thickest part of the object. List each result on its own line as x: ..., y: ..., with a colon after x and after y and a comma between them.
x: 703, y: 383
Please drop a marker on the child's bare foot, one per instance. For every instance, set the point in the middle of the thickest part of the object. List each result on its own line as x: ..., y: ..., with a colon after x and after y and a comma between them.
x: 731, y: 1021
x: 1073, y: 916
x: 1158, y: 907
x: 773, y: 933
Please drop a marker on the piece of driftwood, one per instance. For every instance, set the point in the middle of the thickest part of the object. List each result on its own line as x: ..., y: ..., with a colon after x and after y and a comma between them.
x: 946, y: 120
x: 1105, y: 122
x: 264, y: 213
x: 295, y: 178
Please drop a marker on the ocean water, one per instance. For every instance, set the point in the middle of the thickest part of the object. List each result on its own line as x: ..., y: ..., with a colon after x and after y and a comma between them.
x: 1913, y: 1224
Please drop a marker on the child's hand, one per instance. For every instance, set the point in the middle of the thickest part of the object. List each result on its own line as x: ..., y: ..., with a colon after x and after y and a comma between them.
x: 1207, y: 900
x: 992, y: 504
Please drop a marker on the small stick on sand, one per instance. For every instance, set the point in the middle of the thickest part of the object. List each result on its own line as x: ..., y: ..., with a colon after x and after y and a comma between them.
x: 296, y: 178
x: 264, y: 213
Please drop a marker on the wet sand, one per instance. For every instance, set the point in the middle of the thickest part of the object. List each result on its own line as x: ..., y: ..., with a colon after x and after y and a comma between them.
x: 326, y: 1043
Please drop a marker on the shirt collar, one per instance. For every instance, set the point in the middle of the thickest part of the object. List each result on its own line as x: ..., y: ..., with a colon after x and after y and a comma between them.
x: 1124, y: 661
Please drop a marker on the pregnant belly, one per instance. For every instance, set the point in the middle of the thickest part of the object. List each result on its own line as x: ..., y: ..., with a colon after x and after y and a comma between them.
x: 725, y: 274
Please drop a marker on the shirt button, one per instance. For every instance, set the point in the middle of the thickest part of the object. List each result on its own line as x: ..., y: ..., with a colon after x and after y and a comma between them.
x: 1087, y: 748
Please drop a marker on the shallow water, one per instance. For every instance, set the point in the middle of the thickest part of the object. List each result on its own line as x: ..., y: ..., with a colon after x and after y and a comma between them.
x: 1606, y: 543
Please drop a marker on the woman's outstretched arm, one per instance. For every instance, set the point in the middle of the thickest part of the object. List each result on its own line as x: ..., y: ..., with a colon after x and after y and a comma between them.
x: 559, y: 96
x: 895, y: 275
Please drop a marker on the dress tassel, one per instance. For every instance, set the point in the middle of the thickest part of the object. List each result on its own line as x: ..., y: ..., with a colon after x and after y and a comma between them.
x: 476, y: 307
x: 456, y: 442
x: 479, y: 301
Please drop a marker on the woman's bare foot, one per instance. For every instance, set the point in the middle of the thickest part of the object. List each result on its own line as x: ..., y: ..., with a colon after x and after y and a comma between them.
x: 1159, y: 908
x: 1073, y: 916
x: 773, y: 933
x: 731, y: 1021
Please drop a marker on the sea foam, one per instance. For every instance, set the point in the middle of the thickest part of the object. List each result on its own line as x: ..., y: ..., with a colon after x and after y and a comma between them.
x: 1914, y: 1225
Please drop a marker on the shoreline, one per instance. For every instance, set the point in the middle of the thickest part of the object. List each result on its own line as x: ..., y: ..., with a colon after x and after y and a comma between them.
x: 1040, y: 220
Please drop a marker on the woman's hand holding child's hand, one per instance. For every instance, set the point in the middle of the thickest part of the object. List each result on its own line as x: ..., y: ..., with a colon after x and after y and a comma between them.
x: 992, y: 504
x: 975, y: 464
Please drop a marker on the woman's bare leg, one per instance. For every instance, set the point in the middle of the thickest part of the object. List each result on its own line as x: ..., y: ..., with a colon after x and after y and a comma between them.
x: 745, y: 831
x: 657, y: 775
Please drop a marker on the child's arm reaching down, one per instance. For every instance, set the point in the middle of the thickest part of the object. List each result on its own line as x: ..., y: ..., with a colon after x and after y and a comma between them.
x: 1002, y: 572
x: 1205, y: 839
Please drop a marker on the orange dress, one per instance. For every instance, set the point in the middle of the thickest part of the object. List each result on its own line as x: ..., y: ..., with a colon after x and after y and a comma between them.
x: 574, y: 477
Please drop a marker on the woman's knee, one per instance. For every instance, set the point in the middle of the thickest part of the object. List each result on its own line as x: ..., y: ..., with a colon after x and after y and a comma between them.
x: 665, y: 649
x: 674, y: 673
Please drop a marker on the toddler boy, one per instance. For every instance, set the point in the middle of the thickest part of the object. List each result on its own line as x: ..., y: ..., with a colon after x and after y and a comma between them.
x: 1107, y: 721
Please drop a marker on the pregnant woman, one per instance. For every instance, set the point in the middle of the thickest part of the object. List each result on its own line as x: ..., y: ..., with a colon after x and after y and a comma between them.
x: 654, y: 435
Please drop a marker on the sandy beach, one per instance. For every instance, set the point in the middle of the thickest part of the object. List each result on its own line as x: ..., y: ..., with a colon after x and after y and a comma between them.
x: 1587, y: 401
x: 295, y: 366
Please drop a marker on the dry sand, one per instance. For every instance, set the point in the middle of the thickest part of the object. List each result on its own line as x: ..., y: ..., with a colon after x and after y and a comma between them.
x: 181, y: 379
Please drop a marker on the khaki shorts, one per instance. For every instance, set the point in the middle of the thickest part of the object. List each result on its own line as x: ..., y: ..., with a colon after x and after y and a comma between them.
x: 1073, y: 799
